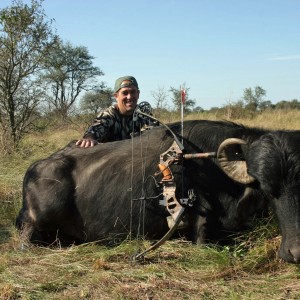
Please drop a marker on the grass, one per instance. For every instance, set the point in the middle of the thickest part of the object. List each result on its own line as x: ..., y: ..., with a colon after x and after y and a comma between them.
x: 250, y: 269
x: 278, y: 119
x: 177, y: 270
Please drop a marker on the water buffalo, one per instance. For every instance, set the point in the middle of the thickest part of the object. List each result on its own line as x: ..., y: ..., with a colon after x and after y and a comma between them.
x: 113, y: 189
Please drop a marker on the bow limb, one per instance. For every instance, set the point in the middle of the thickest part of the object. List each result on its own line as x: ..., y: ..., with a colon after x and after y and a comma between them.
x: 164, y: 238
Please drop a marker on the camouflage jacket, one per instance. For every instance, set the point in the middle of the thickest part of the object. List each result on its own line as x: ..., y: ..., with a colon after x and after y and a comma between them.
x: 110, y: 126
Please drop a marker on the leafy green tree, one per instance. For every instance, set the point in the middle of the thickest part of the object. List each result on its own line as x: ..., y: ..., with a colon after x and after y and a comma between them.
x: 94, y: 101
x: 26, y: 38
x: 253, y: 97
x: 263, y: 105
x: 286, y: 105
x: 176, y: 99
x: 295, y: 104
x: 69, y: 71
x: 198, y: 109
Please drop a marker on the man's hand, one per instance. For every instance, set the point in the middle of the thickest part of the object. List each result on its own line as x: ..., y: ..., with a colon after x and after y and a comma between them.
x: 86, y: 143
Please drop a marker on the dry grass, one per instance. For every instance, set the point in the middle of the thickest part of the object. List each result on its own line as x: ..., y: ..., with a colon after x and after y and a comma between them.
x: 288, y: 120
x: 279, y: 119
x: 177, y: 270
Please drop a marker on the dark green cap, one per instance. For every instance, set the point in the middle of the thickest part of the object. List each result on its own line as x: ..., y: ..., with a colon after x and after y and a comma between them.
x: 124, y: 82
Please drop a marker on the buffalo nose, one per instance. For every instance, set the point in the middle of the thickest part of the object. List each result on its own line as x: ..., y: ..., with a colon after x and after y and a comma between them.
x: 295, y: 253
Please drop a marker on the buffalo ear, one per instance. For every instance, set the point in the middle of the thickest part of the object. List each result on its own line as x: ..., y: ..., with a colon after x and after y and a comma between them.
x: 248, y: 204
x: 232, y: 161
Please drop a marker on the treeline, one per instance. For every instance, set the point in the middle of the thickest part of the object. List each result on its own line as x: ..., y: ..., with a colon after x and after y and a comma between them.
x: 253, y: 102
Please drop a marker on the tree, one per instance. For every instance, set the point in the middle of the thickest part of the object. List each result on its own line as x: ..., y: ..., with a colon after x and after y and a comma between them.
x: 70, y: 71
x: 253, y: 98
x: 176, y: 99
x: 233, y: 109
x: 94, y: 101
x: 264, y: 105
x: 25, y: 39
x: 286, y: 105
x: 198, y: 109
x: 160, y: 98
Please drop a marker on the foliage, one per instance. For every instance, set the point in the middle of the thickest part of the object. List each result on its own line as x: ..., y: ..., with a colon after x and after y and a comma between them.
x: 96, y: 100
x: 252, y: 104
x: 253, y: 97
x: 198, y: 109
x: 69, y: 71
x: 25, y: 40
x: 288, y: 105
x: 264, y: 105
x: 177, y: 99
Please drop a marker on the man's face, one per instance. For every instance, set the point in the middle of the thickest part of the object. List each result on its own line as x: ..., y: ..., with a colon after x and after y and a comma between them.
x: 127, y: 99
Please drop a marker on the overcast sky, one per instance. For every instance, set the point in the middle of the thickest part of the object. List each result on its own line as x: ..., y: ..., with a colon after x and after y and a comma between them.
x: 216, y: 47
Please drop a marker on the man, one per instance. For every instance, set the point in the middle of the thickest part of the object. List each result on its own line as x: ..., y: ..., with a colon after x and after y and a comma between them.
x: 116, y: 122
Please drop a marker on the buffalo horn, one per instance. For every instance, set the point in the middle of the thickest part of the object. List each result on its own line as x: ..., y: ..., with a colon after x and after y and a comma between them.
x: 231, y: 161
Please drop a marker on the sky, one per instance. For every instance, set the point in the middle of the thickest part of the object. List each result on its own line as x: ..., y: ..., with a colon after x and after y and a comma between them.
x: 216, y: 48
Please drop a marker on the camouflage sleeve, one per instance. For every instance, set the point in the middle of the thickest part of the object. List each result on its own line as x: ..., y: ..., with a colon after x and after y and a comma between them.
x: 101, y: 126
